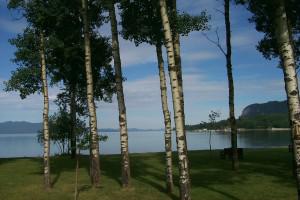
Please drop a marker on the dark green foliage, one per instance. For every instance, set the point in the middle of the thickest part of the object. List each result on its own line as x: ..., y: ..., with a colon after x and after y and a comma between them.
x: 60, y: 132
x: 61, y: 21
x: 264, y: 121
x: 271, y: 107
x: 263, y: 15
x: 185, y: 23
x: 24, y: 80
x: 256, y: 122
x: 141, y: 22
x: 209, y: 125
x: 27, y: 77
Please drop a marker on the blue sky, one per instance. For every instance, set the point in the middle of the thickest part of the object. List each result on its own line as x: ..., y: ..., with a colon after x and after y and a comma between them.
x: 204, y: 73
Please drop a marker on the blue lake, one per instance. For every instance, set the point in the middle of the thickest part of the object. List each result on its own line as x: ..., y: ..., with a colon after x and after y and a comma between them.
x: 26, y: 145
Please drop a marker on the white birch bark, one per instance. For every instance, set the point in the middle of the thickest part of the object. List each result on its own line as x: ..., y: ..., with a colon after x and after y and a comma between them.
x: 177, y: 107
x: 47, y: 181
x: 167, y: 119
x: 290, y: 79
x: 120, y: 97
x: 95, y: 164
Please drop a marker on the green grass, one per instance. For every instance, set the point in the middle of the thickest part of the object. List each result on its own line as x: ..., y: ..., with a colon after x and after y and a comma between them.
x: 263, y: 175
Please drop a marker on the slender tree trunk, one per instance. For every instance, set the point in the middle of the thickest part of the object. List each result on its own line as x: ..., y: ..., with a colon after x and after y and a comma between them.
x: 232, y: 120
x: 167, y: 119
x: 176, y: 45
x: 47, y: 181
x: 210, y: 140
x: 73, y: 122
x: 120, y: 97
x: 178, y: 112
x: 95, y: 164
x: 76, y: 175
x: 290, y: 79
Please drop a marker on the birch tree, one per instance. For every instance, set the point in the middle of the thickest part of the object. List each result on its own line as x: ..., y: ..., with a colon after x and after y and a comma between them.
x: 47, y: 180
x: 36, y: 31
x: 120, y: 97
x: 280, y: 23
x: 95, y: 164
x: 177, y: 107
x: 290, y: 79
x: 141, y: 23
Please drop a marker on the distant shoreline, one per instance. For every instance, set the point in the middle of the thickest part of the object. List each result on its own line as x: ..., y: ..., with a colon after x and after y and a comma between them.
x: 242, y: 130
x: 149, y: 130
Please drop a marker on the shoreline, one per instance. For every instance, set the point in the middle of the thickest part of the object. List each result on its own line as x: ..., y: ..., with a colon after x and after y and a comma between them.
x: 241, y: 130
x: 144, y: 153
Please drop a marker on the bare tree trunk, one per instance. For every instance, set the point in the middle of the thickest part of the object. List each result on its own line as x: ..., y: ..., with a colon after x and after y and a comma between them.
x: 232, y: 120
x: 76, y: 175
x: 47, y: 181
x: 95, y: 164
x: 120, y: 97
x: 73, y: 121
x: 177, y: 106
x: 176, y: 45
x: 210, y: 140
x: 167, y: 119
x: 290, y: 79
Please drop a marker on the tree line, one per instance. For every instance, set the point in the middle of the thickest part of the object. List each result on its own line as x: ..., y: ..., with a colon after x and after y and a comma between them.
x: 62, y: 46
x: 252, y: 122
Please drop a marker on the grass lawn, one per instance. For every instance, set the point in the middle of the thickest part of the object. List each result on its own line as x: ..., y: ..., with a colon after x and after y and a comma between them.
x: 263, y: 175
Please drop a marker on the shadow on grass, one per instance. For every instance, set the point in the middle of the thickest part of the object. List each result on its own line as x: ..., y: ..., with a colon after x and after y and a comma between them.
x: 145, y: 169
x: 208, y: 171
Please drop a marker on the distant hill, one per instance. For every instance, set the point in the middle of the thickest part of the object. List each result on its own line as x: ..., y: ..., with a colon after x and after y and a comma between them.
x: 12, y: 127
x: 269, y: 108
x: 273, y: 114
x: 19, y: 127
x: 129, y: 129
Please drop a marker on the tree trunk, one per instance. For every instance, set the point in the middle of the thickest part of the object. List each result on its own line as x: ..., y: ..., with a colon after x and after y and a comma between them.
x: 178, y: 112
x: 120, y: 97
x: 232, y: 120
x: 176, y: 45
x: 290, y: 79
x: 76, y: 175
x: 167, y: 119
x: 73, y: 121
x: 95, y: 164
x: 210, y: 140
x: 47, y: 181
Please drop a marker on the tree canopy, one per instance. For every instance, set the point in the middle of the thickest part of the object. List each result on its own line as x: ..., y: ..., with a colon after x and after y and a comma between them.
x: 263, y: 18
x: 141, y: 22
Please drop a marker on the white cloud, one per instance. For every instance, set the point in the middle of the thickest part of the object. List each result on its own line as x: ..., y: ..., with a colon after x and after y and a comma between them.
x: 200, y: 56
x: 12, y: 26
x: 29, y: 109
x: 132, y: 55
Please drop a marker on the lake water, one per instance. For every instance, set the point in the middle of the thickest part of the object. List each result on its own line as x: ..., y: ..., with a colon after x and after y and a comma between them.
x: 26, y: 145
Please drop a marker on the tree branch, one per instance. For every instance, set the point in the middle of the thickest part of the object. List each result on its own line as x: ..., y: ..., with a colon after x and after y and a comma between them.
x: 217, y: 43
x: 220, y: 11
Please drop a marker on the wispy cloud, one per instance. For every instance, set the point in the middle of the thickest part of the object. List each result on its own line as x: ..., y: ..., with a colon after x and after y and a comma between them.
x: 199, y: 56
x: 12, y: 26
x: 132, y: 55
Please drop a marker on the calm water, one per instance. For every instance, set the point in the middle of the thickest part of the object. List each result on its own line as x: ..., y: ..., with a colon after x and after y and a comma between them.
x: 26, y: 145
